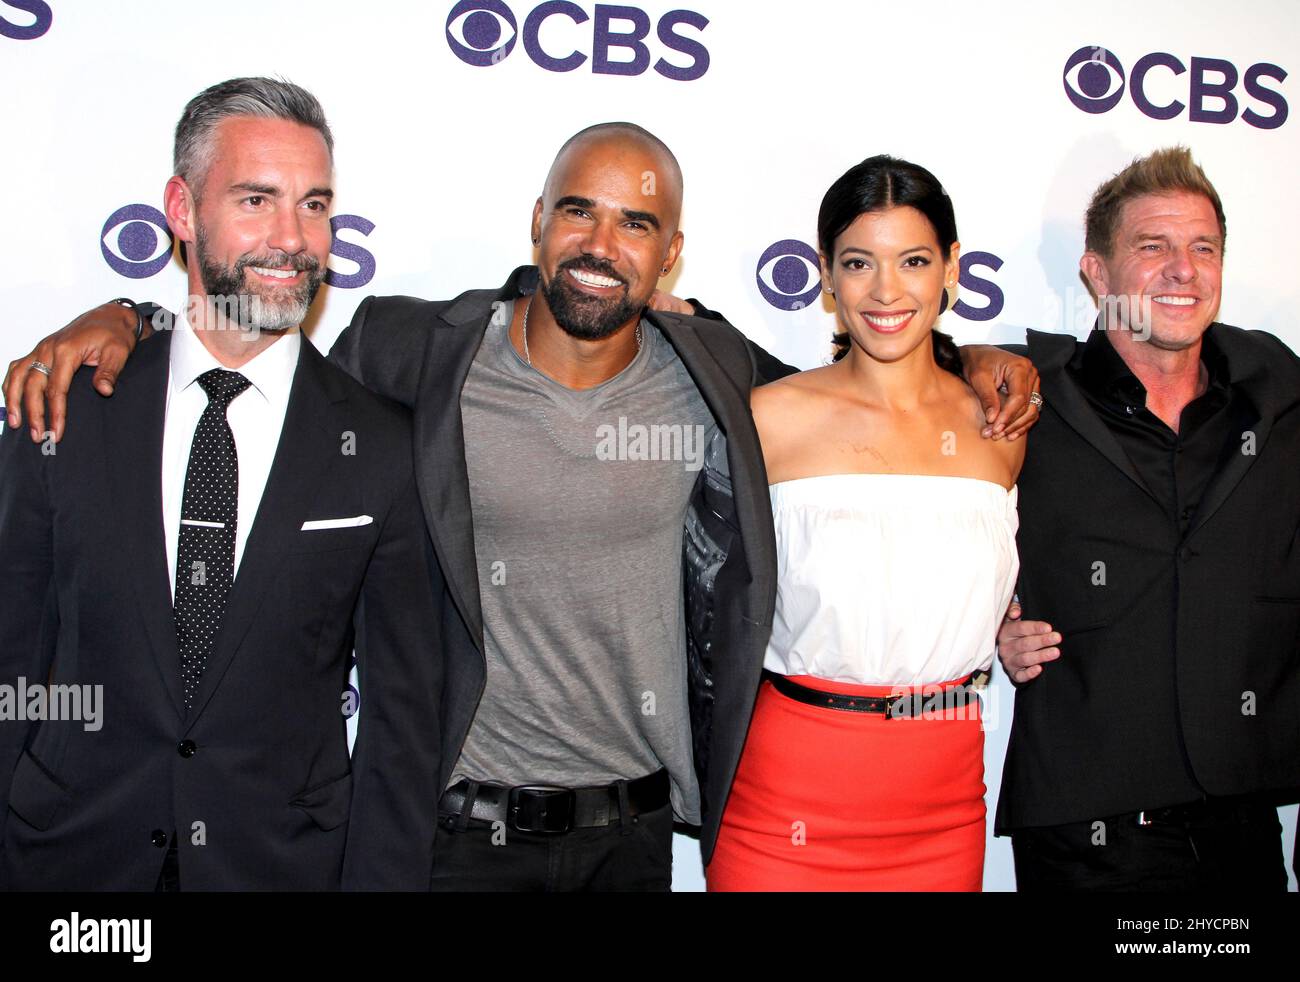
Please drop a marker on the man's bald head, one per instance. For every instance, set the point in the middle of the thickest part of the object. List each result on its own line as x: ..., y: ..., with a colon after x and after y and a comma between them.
x: 606, y: 228
x: 622, y: 140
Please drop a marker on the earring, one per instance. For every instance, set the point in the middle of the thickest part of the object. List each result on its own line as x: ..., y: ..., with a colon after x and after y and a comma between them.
x: 536, y: 240
x: 663, y: 270
x: 830, y: 290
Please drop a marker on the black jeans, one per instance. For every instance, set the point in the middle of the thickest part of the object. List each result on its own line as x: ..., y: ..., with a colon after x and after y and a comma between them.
x: 1218, y: 845
x: 609, y: 858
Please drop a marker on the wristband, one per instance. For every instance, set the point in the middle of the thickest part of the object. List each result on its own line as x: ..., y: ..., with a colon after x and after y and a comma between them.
x: 139, y: 317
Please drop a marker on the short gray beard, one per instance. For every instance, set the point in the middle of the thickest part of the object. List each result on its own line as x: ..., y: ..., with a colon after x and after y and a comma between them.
x: 253, y: 312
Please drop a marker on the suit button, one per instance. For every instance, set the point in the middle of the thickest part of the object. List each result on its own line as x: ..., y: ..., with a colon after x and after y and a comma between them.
x: 159, y: 838
x: 187, y: 748
x: 1186, y: 554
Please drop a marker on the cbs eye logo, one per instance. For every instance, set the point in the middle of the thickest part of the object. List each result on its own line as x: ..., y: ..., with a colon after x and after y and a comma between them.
x: 136, y: 242
x: 132, y: 244
x: 1098, y: 80
x: 789, y: 278
x: 38, y: 9
x: 789, y: 274
x: 1095, y: 83
x: 474, y: 29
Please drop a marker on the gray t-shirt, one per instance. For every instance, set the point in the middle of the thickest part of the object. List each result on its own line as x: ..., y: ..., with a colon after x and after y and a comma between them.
x: 579, y: 500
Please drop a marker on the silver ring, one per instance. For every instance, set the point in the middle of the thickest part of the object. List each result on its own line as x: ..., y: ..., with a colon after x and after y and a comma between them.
x: 41, y: 367
x: 1035, y: 399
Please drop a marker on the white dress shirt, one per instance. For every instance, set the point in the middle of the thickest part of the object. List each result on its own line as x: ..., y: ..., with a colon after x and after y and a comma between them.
x: 256, y: 417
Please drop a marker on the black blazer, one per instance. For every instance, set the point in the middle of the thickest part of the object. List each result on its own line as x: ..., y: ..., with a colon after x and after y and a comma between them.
x: 1180, y: 676
x: 419, y: 353
x: 258, y: 771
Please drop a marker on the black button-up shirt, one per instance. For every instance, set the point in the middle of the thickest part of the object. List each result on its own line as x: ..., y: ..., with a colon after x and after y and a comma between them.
x: 1176, y: 467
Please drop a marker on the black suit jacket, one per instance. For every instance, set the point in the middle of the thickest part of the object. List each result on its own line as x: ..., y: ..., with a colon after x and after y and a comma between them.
x: 419, y: 353
x: 258, y: 771
x: 1179, y: 676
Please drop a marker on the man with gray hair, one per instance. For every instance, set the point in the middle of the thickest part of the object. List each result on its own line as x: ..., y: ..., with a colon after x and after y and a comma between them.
x: 210, y: 547
x: 281, y: 305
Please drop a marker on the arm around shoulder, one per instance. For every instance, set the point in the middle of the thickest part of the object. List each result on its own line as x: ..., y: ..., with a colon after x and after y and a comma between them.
x: 766, y: 366
x: 383, y: 347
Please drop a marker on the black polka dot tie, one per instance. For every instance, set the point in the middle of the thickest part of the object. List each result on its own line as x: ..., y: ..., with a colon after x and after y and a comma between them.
x: 205, y: 553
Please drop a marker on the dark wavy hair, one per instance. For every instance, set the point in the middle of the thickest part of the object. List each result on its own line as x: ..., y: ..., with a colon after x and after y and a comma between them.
x: 878, y: 183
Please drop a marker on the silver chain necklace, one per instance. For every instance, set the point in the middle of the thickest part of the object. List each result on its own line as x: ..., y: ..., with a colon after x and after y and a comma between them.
x: 529, y: 358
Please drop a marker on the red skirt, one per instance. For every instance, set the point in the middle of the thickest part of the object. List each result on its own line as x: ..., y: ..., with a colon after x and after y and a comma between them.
x: 826, y: 799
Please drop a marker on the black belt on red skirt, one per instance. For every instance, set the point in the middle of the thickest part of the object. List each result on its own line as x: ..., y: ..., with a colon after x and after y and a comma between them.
x: 905, y: 705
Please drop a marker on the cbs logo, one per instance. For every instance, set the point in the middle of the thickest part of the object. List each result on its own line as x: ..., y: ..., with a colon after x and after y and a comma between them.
x: 484, y: 32
x: 38, y: 9
x: 789, y: 278
x: 137, y: 243
x: 1094, y: 81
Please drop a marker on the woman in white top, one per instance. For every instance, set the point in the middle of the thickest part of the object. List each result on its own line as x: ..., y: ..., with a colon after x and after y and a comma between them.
x: 895, y: 529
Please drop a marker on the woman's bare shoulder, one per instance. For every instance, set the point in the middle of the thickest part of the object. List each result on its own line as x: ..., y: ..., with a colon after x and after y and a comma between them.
x: 815, y: 383
x: 789, y: 407
x: 1000, y: 455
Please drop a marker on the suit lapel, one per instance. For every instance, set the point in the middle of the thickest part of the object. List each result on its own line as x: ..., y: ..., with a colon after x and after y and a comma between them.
x: 728, y: 399
x: 441, y: 472
x: 1051, y: 353
x: 309, y: 442
x: 1249, y: 379
x: 135, y: 475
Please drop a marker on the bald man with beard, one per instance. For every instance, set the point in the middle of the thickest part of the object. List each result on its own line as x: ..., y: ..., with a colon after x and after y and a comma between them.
x: 594, y: 489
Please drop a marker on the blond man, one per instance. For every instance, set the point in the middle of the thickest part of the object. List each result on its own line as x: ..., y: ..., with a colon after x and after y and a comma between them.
x: 1157, y: 720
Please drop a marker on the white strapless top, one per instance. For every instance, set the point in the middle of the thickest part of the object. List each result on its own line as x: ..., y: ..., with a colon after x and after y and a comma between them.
x: 890, y: 579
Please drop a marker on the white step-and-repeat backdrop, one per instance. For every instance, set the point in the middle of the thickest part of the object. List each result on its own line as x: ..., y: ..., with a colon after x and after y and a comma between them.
x: 446, y: 116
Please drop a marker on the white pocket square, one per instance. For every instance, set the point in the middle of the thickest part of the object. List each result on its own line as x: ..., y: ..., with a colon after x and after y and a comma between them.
x: 336, y: 523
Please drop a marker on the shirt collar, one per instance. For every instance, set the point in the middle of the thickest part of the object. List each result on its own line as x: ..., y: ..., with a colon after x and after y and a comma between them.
x: 1106, y: 374
x: 270, y: 372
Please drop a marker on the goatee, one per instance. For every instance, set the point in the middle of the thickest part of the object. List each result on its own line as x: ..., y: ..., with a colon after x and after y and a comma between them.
x: 246, y: 305
x: 581, y: 315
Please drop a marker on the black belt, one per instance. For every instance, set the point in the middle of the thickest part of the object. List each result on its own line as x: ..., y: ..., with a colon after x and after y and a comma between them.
x: 550, y: 809
x: 908, y: 704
